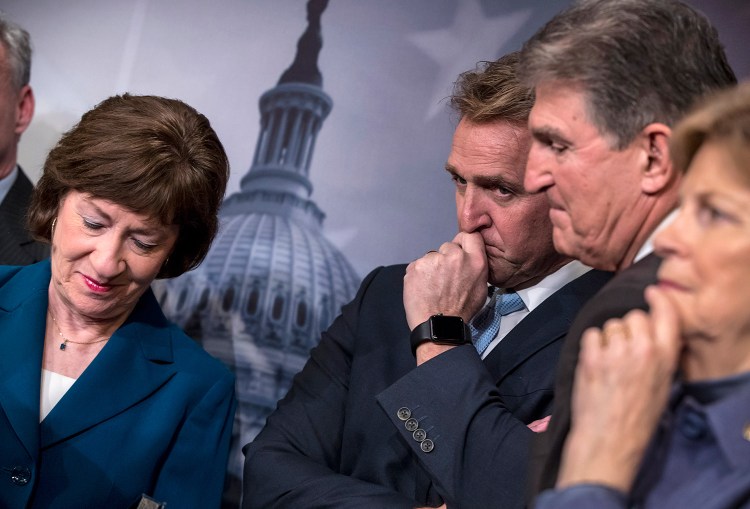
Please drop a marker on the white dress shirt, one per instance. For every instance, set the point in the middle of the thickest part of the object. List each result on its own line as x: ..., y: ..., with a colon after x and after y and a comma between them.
x: 648, y: 247
x: 533, y: 296
x: 7, y: 182
x: 54, y: 387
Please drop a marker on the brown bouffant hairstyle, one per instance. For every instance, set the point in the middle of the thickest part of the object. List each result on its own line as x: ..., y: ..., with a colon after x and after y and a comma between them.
x: 155, y: 156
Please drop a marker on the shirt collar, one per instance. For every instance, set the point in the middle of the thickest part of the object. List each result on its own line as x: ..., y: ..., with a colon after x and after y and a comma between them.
x: 533, y: 296
x: 648, y: 247
x: 7, y: 183
x: 729, y: 416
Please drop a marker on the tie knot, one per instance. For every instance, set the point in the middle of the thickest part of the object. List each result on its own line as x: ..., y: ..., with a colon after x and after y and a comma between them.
x: 508, y: 303
x: 485, y: 325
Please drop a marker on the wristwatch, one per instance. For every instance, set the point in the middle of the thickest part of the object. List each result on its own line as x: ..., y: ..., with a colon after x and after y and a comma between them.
x: 440, y: 329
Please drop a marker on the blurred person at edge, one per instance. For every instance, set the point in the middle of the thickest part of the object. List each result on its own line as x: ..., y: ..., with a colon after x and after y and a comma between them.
x: 611, y: 78
x: 637, y: 439
x: 101, y: 398
x: 17, y: 245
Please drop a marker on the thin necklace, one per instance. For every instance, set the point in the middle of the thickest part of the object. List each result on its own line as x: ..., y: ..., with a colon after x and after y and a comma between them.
x: 66, y: 340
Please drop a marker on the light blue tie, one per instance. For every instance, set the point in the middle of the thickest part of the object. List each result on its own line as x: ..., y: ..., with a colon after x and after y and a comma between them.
x: 485, y: 325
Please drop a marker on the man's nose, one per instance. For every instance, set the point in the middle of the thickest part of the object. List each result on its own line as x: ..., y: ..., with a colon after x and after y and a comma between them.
x: 537, y: 177
x: 474, y: 214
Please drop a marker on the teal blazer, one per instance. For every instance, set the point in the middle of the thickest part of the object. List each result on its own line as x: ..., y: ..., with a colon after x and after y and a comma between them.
x: 151, y: 414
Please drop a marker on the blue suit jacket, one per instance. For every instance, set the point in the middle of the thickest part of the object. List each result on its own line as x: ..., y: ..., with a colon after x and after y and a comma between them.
x: 336, y: 439
x: 151, y: 414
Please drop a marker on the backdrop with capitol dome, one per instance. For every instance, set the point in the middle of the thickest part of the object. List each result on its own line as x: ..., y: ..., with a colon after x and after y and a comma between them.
x: 335, y: 121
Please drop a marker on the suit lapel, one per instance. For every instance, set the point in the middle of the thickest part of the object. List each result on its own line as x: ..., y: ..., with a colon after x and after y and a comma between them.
x: 135, y: 363
x: 16, y: 240
x: 548, y: 323
x: 23, y: 306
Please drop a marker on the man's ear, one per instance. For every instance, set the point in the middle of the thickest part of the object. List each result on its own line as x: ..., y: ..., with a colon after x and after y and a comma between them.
x: 659, y: 172
x: 24, y: 109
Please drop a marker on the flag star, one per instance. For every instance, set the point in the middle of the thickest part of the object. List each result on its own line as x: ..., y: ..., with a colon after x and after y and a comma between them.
x: 472, y: 37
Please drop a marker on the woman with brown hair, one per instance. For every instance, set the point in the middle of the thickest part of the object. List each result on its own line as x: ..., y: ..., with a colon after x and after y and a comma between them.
x: 101, y: 398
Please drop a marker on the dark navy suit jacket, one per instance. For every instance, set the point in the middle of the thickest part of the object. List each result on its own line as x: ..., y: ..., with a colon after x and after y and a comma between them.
x: 151, y: 414
x: 17, y: 246
x: 622, y: 294
x: 336, y: 439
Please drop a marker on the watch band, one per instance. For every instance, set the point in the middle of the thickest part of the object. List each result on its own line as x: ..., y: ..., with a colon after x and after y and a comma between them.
x: 440, y: 329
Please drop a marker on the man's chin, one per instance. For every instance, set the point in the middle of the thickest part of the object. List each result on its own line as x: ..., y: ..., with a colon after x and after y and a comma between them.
x: 594, y: 256
x: 503, y: 275
x: 496, y: 280
x: 564, y: 245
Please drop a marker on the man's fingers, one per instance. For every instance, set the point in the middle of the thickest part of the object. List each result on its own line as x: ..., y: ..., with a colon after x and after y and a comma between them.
x: 472, y: 243
x: 447, y: 247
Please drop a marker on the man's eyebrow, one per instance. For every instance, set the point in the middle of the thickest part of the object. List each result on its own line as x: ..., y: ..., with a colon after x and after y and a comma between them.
x: 498, y: 181
x: 453, y: 171
x: 546, y: 133
x: 489, y: 181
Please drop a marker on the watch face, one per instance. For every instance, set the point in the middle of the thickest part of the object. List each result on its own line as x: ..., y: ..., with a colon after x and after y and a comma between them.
x: 447, y: 327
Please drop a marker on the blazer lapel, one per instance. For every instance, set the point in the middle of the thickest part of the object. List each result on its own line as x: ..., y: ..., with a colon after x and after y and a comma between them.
x: 23, y: 306
x: 544, y: 325
x: 548, y: 323
x: 135, y: 363
x: 18, y: 247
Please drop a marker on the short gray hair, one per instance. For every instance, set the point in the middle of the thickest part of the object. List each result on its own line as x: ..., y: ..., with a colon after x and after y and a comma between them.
x: 17, y: 45
x: 638, y: 61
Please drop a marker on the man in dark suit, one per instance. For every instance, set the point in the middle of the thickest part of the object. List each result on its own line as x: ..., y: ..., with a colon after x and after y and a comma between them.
x: 610, y: 78
x: 16, y: 109
x: 400, y: 405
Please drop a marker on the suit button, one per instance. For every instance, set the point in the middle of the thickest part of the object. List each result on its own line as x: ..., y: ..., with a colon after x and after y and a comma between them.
x: 403, y: 413
x: 427, y: 445
x: 419, y: 434
x: 411, y: 424
x: 20, y: 476
x: 693, y: 425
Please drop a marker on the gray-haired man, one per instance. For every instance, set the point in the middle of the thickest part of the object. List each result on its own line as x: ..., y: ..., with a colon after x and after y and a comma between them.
x: 611, y: 77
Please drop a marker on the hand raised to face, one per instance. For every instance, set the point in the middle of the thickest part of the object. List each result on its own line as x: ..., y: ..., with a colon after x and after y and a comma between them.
x: 451, y: 281
x: 621, y: 388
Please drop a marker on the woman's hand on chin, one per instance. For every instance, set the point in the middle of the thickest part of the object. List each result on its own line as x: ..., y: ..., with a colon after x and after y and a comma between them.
x: 622, y: 384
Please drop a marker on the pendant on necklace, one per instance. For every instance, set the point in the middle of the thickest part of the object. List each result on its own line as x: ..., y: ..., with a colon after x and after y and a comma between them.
x: 63, y: 345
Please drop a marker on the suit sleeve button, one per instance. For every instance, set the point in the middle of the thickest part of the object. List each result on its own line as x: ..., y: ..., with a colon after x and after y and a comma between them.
x: 411, y: 424
x: 403, y: 413
x: 427, y: 445
x: 419, y: 434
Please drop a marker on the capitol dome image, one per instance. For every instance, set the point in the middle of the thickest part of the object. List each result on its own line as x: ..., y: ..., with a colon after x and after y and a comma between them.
x: 271, y: 281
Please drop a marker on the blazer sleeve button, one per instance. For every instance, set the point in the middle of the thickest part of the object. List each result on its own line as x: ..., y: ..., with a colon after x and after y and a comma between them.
x: 411, y: 424
x: 20, y: 476
x: 427, y: 445
x: 403, y: 413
